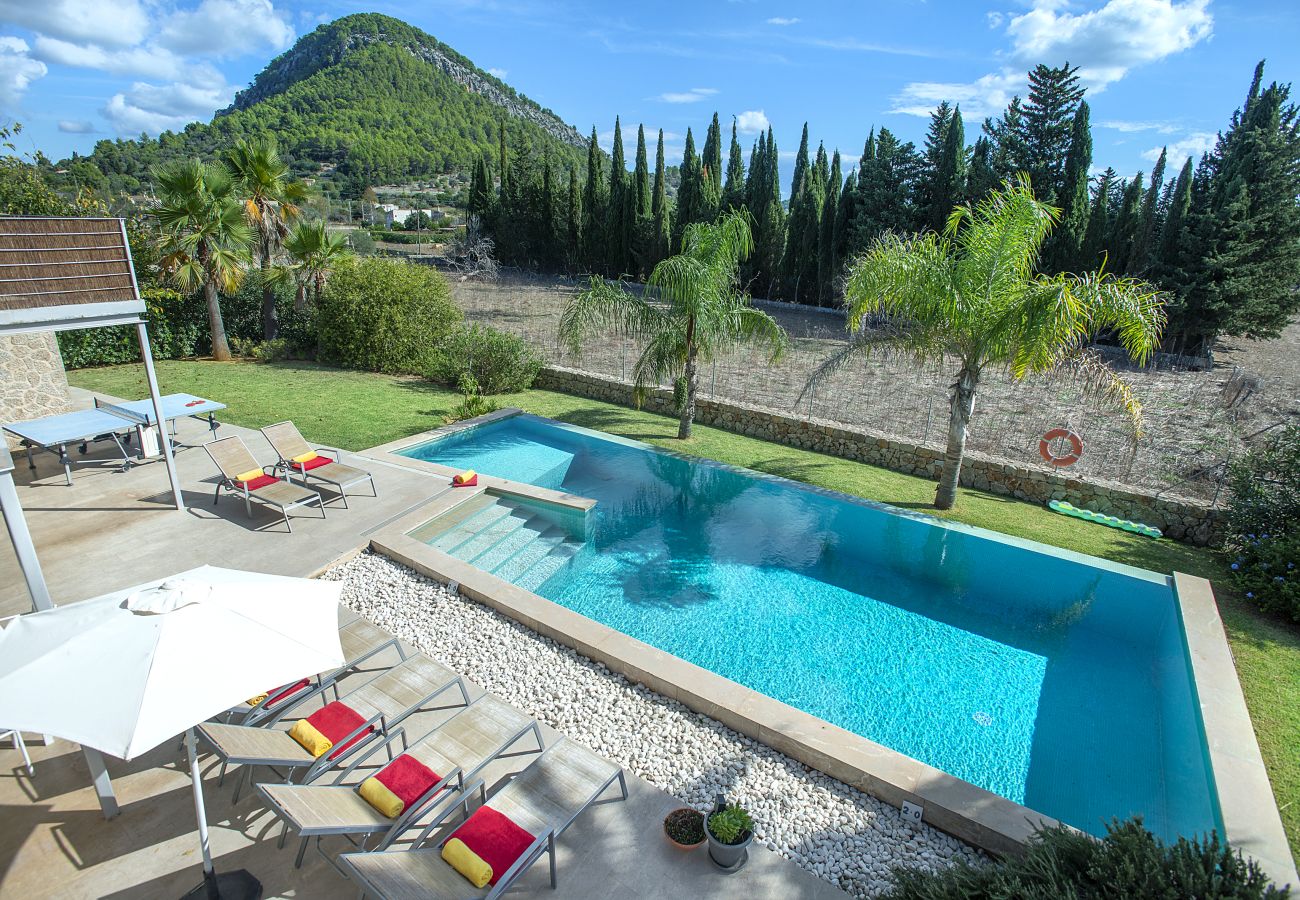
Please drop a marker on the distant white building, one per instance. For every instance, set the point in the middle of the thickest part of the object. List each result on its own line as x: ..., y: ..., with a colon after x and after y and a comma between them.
x: 393, y: 213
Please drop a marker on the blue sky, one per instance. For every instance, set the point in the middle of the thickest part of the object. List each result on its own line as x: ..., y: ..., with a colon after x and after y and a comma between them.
x: 1159, y: 71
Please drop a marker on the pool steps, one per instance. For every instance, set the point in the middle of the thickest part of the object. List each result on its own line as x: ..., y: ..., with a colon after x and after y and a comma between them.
x: 505, y: 539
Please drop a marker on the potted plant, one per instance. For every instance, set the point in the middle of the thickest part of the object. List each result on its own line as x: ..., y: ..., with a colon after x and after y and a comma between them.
x: 685, y: 827
x: 730, y: 831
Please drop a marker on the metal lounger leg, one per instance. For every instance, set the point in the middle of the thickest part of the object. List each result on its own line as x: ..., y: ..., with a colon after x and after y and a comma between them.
x: 302, y: 851
x: 67, y: 463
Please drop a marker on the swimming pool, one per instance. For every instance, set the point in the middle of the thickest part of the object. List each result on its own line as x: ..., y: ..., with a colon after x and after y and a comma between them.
x: 1055, y: 680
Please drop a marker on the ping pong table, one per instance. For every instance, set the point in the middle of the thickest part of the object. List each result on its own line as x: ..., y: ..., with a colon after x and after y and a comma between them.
x: 108, y: 421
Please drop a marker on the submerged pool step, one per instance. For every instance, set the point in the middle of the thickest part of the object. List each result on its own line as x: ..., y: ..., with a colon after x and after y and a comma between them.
x: 453, y: 539
x: 493, y: 532
x: 545, y: 568
x: 513, y: 543
x: 526, y: 557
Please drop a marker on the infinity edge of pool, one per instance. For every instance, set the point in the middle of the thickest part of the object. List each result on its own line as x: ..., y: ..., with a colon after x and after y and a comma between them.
x: 988, y: 820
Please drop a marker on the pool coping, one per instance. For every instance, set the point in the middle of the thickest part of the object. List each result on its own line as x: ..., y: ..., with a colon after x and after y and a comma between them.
x: 1249, y: 810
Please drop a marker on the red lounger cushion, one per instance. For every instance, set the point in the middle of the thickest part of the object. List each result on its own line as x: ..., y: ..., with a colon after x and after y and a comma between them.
x: 336, y: 721
x: 259, y: 482
x: 312, y: 463
x: 495, y: 839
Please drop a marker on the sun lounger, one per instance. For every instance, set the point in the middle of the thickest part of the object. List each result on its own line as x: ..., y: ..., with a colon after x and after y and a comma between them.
x: 455, y: 751
x: 360, y: 640
x: 544, y: 800
x: 297, y: 457
x: 380, y: 705
x: 242, y: 475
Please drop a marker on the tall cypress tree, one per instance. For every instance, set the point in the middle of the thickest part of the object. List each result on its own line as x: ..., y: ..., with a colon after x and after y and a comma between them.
x: 619, y: 201
x: 1174, y: 225
x: 1142, y: 257
x: 503, y: 164
x: 593, y: 210
x: 573, y: 243
x: 1124, y: 230
x: 981, y: 176
x: 827, y: 263
x: 733, y: 190
x: 688, y: 191
x: 1094, y: 239
x: 479, y: 203
x: 1065, y: 244
x: 661, y: 226
x: 886, y: 189
x: 948, y: 180
x: 712, y: 157
x: 792, y: 262
x: 639, y: 235
x: 642, y: 177
x: 548, y: 235
x: 845, y: 211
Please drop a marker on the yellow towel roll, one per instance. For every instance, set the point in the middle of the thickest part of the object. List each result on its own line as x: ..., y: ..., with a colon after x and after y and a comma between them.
x: 249, y: 475
x: 466, y: 862
x: 385, y: 802
x: 306, y: 457
x: 311, y: 740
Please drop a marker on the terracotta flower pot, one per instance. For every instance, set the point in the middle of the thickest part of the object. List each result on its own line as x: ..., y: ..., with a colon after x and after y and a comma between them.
x: 676, y: 843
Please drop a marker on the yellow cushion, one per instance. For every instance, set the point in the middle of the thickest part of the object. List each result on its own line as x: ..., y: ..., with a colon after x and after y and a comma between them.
x: 466, y: 862
x: 306, y: 457
x: 312, y: 740
x: 465, y: 476
x: 249, y: 475
x: 385, y: 802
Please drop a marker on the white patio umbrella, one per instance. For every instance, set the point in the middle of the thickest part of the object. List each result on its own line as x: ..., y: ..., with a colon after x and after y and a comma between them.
x: 124, y: 672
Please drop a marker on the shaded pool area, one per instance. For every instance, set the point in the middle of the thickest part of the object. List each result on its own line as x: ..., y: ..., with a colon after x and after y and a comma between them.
x: 1054, y: 680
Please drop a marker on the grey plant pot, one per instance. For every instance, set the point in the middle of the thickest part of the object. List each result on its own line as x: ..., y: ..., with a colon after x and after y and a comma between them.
x: 727, y: 856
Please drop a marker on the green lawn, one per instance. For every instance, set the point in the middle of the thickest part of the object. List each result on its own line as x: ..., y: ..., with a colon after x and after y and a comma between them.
x: 356, y: 410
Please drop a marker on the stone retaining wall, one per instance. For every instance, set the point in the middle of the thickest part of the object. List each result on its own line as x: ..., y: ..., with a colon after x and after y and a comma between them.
x: 1182, y: 519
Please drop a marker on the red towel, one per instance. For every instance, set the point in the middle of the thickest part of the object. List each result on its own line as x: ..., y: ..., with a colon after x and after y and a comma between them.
x: 495, y: 839
x: 408, y: 778
x: 260, y: 481
x: 311, y: 463
x: 286, y: 693
x: 336, y: 721
x: 471, y: 482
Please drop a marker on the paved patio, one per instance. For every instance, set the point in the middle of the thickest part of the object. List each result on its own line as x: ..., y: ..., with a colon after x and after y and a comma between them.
x: 114, y: 529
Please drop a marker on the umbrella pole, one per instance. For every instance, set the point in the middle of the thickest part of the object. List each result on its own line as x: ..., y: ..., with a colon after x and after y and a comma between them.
x: 240, y: 884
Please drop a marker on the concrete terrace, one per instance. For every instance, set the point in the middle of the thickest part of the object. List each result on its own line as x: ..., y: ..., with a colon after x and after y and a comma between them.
x: 113, y: 529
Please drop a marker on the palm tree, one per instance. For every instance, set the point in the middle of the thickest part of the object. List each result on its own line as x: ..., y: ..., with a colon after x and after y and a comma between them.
x: 971, y: 298
x: 313, y: 253
x: 205, y: 239
x: 695, y: 311
x: 272, y: 203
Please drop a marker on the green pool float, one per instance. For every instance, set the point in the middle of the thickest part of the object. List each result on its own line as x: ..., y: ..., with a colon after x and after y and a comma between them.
x: 1088, y: 515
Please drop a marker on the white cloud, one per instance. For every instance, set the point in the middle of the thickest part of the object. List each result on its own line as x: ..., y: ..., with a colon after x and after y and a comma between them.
x: 149, y: 61
x: 752, y: 121
x: 498, y: 73
x: 119, y: 23
x: 995, y: 19
x: 1127, y: 127
x: 1193, y: 145
x: 694, y: 95
x: 17, y: 70
x: 1108, y: 41
x: 985, y: 96
x: 76, y: 126
x: 152, y: 108
x: 782, y: 20
x: 226, y: 28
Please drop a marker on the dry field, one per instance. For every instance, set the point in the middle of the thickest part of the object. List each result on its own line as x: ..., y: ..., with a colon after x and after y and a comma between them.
x: 1194, y: 421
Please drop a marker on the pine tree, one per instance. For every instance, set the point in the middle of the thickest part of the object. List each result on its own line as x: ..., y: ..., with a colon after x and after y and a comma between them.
x: 948, y: 179
x: 1142, y: 257
x: 1065, y: 244
x: 660, y: 223
x: 593, y: 210
x: 733, y: 190
x: 887, y: 182
x: 616, y: 235
x: 827, y: 262
x: 1054, y: 96
x: 1094, y: 239
x: 1010, y: 153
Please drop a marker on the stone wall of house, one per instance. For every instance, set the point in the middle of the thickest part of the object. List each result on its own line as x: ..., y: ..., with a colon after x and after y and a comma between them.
x: 32, y: 380
x: 1183, y: 519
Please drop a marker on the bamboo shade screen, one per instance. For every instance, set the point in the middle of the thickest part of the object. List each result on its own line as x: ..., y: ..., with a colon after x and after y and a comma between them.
x: 52, y: 262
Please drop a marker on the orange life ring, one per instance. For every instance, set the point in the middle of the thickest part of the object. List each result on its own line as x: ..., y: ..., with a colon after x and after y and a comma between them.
x: 1069, y: 459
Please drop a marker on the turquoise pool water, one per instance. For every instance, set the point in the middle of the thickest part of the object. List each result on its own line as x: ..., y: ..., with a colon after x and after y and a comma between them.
x: 1055, y: 680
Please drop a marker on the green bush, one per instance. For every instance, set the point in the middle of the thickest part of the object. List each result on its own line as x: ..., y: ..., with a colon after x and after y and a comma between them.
x: 178, y: 327
x: 473, y: 405
x: 1128, y: 862
x: 1264, y: 524
x: 385, y: 315
x: 436, y: 236
x: 500, y: 363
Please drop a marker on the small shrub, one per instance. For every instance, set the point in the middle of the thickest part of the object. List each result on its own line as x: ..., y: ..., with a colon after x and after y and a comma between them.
x: 1129, y: 862
x: 500, y: 363
x: 361, y: 242
x: 731, y: 825
x: 385, y: 315
x: 685, y: 826
x: 1264, y: 524
x: 262, y: 351
x: 473, y: 404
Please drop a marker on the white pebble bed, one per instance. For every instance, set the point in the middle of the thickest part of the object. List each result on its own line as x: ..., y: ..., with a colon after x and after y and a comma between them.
x: 829, y: 828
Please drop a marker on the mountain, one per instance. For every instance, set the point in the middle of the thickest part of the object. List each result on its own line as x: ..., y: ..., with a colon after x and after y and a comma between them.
x: 364, y: 100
